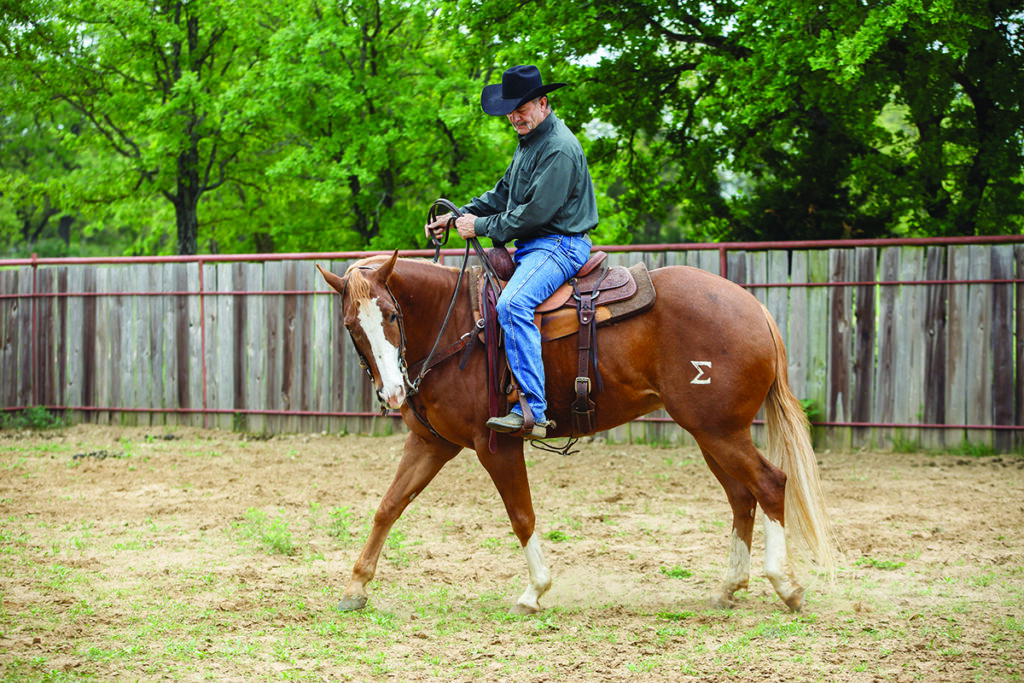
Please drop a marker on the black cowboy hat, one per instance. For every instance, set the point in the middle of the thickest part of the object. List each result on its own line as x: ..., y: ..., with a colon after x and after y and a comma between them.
x: 518, y: 85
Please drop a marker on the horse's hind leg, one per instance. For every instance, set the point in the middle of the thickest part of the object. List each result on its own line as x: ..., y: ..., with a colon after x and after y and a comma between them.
x: 508, y: 472
x: 422, y: 458
x: 738, y: 458
x: 743, y: 505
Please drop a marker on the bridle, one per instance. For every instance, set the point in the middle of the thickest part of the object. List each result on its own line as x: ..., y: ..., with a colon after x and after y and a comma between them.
x: 412, y: 386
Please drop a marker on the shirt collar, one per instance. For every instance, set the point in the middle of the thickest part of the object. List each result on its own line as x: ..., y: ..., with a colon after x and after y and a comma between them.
x: 540, y: 130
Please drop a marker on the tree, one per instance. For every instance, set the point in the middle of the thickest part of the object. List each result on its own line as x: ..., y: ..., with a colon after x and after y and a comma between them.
x: 784, y: 120
x: 153, y: 84
x: 366, y: 103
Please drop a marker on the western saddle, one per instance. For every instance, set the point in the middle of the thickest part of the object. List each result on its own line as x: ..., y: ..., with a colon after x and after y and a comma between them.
x: 597, y: 295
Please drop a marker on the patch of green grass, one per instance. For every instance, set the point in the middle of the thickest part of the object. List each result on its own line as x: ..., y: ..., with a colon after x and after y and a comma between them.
x: 677, y: 572
x: 556, y: 536
x: 904, y: 445
x: 972, y: 450
x: 676, y: 616
x: 876, y: 563
x: 396, y: 548
x: 340, y: 524
x: 272, y: 534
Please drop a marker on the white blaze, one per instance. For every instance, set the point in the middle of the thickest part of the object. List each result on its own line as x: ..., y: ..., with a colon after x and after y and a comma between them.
x: 385, y: 354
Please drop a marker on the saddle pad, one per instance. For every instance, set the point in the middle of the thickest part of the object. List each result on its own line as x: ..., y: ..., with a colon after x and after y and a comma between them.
x: 563, y: 322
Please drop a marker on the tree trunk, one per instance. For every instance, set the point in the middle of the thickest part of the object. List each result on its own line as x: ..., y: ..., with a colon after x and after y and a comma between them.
x: 186, y: 201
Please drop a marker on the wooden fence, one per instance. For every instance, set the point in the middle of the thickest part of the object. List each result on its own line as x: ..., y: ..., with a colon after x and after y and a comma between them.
x: 890, y: 342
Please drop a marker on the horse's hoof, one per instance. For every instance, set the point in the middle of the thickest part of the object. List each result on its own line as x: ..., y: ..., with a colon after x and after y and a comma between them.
x: 351, y: 603
x: 522, y: 610
x: 721, y: 601
x: 796, y: 600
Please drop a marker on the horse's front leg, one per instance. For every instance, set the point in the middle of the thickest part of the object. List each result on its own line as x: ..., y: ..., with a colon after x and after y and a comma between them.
x: 507, y: 469
x: 422, y: 458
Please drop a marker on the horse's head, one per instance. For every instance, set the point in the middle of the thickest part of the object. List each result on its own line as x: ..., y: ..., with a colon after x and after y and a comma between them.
x: 374, y: 321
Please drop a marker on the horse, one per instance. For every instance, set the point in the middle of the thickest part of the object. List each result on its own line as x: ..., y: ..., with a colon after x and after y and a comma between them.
x: 706, y: 351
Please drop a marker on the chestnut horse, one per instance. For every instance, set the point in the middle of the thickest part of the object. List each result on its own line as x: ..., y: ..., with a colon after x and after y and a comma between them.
x: 707, y: 352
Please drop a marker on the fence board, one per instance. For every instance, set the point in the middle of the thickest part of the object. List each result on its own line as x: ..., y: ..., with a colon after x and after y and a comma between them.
x: 1002, y: 345
x: 957, y: 329
x: 61, y: 376
x: 1018, y: 415
x: 101, y: 348
x: 320, y: 384
x: 796, y: 341
x: 220, y: 334
x: 192, y: 337
x: 11, y: 335
x: 173, y: 346
x: 43, y: 381
x: 840, y: 343
x: 120, y: 313
x: 909, y: 364
x: 158, y: 308
x: 273, y: 278
x: 255, y: 345
x: 236, y: 344
x: 818, y: 332
x: 864, y: 342
x: 979, y: 360
x: 886, y: 366
x: 935, y: 361
x: 24, y: 322
x: 135, y: 348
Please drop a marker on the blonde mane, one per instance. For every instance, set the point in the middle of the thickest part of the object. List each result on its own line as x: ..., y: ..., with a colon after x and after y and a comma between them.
x: 358, y: 285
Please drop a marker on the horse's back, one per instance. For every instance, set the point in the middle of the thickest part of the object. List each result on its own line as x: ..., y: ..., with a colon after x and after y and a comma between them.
x: 704, y: 351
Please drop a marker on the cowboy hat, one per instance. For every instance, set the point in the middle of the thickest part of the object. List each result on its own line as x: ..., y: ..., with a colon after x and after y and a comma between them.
x: 519, y: 84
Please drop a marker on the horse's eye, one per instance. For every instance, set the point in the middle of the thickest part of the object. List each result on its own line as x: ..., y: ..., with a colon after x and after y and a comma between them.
x: 392, y: 317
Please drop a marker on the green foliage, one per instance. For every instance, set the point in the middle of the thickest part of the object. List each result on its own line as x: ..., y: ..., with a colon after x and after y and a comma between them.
x: 810, y: 408
x: 785, y: 120
x: 253, y: 127
x: 35, y: 418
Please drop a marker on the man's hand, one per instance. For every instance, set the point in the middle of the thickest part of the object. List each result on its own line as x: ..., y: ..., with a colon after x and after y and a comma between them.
x: 436, y: 229
x: 463, y: 225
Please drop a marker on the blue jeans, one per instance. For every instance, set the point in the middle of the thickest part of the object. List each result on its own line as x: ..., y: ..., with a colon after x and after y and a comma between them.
x: 543, y: 265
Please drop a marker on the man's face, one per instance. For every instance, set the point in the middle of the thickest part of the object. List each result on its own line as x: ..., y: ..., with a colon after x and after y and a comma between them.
x: 529, y: 115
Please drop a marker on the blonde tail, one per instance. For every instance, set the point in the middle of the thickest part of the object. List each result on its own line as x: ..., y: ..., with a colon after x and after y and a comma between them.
x: 789, y: 447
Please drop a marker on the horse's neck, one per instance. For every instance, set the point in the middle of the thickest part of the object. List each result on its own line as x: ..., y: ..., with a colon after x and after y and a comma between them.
x: 424, y: 291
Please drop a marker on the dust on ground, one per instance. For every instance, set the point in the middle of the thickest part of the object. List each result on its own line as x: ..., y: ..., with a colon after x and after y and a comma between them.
x: 189, y: 554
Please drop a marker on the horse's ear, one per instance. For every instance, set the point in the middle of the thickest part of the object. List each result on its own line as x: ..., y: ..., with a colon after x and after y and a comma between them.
x: 384, y: 272
x: 333, y: 280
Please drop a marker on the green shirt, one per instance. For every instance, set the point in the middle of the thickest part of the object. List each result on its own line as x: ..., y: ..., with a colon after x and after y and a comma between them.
x: 546, y: 190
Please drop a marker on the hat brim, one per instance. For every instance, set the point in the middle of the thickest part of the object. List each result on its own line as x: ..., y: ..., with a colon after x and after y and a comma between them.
x: 494, y: 104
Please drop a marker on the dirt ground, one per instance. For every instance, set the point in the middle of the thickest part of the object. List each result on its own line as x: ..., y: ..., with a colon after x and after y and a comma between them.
x: 185, y: 554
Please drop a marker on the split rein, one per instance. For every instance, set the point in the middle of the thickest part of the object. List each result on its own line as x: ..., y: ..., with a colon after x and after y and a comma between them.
x: 492, y: 277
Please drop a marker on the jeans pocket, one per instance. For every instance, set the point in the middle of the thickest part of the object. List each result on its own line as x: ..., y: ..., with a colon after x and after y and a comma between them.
x: 576, y: 249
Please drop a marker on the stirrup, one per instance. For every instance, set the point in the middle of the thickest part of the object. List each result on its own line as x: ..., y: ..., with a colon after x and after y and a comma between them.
x: 513, y: 424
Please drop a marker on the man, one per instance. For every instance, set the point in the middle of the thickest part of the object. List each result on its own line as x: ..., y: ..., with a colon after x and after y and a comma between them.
x: 545, y: 202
